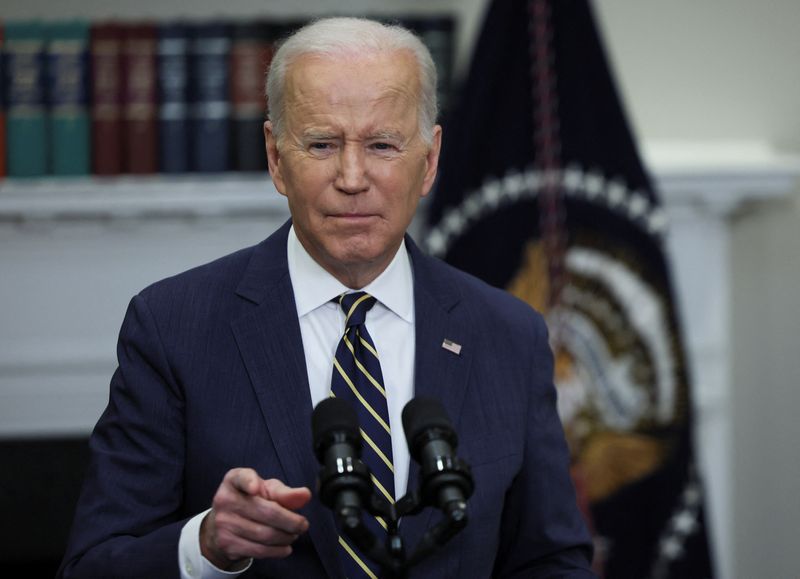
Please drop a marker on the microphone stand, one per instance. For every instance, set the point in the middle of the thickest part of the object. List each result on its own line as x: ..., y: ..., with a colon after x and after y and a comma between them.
x: 346, y: 488
x: 436, y: 491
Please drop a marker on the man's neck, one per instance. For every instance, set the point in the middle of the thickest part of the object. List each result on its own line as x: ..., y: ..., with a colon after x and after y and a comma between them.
x: 355, y: 276
x: 358, y: 277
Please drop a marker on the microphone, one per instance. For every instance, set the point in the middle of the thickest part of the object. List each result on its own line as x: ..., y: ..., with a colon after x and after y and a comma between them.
x: 344, y: 482
x: 446, y: 480
x: 346, y: 488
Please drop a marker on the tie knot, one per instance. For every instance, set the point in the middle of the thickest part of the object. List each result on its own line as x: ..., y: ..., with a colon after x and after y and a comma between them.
x: 355, y: 307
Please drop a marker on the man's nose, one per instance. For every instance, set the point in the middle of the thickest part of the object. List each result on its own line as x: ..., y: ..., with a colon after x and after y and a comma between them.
x: 352, y: 174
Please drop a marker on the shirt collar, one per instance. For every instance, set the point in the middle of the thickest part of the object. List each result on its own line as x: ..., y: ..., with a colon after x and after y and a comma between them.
x: 314, y: 287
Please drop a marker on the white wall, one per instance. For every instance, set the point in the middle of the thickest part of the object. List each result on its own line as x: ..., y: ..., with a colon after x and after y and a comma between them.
x: 73, y: 254
x: 766, y: 387
x: 710, y: 71
x: 711, y: 89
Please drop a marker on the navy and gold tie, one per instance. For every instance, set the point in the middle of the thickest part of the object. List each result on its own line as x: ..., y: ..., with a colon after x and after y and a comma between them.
x: 357, y: 378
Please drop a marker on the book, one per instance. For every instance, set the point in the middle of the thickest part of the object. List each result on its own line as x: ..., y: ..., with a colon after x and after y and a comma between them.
x: 209, y: 48
x: 105, y: 57
x: 173, y: 95
x: 437, y: 33
x: 26, y: 116
x: 2, y: 107
x: 139, y: 122
x: 68, y: 97
x: 252, y: 48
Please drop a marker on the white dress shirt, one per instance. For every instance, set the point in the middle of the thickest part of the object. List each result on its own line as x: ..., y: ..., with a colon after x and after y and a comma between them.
x: 391, y: 325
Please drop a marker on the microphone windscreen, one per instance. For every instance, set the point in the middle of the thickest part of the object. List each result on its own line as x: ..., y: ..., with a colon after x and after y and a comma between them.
x: 334, y: 415
x: 420, y: 416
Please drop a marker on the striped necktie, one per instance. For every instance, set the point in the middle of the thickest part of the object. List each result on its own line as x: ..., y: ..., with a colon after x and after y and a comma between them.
x: 357, y: 378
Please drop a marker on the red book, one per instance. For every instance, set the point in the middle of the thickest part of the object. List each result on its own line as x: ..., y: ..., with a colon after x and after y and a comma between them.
x: 105, y: 53
x: 139, y: 97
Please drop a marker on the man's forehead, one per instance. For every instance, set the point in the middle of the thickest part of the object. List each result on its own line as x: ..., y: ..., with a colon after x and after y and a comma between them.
x: 374, y: 69
x: 372, y: 95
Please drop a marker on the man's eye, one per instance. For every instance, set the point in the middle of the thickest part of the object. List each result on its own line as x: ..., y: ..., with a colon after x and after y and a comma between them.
x: 320, y: 146
x: 383, y: 146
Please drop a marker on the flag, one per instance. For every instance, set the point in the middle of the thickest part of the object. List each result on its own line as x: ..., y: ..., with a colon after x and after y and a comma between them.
x: 542, y: 192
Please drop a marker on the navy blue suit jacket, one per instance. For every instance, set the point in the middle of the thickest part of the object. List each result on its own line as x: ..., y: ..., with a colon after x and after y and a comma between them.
x: 212, y: 376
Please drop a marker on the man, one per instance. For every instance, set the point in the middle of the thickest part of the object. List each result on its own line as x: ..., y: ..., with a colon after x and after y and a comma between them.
x: 220, y: 367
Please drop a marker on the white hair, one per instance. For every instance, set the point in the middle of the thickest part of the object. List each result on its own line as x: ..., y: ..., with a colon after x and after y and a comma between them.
x: 348, y: 36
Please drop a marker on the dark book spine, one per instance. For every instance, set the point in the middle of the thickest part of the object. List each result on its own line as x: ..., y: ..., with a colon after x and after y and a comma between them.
x: 2, y: 103
x: 68, y: 90
x: 140, y: 150
x: 437, y: 33
x: 251, y: 53
x: 208, y: 65
x: 26, y: 123
x: 105, y: 56
x: 173, y: 94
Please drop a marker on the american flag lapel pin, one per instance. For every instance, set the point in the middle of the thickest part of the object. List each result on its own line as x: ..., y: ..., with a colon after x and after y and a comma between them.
x: 451, y: 346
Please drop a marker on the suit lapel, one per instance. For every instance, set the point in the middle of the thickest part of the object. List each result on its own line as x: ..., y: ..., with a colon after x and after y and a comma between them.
x: 439, y: 373
x: 271, y: 347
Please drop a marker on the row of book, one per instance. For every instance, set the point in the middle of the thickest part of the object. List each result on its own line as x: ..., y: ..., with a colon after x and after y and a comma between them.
x: 113, y: 98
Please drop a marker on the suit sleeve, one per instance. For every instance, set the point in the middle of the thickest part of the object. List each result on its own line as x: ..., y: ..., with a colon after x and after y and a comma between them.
x: 543, y: 534
x: 128, y: 518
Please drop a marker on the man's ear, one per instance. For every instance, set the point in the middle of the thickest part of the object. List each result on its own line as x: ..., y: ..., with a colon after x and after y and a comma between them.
x: 432, y: 161
x: 273, y: 157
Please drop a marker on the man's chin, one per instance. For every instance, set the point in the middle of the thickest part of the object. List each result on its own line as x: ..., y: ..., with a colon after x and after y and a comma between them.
x: 364, y: 262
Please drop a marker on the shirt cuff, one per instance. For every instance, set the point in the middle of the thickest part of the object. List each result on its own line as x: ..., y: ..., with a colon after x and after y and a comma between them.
x: 190, y: 559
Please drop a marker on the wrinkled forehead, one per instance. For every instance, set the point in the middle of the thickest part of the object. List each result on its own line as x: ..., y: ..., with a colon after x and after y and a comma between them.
x: 326, y: 77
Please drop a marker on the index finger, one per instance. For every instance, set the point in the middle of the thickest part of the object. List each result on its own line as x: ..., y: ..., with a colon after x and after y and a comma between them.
x: 273, y: 514
x: 292, y: 498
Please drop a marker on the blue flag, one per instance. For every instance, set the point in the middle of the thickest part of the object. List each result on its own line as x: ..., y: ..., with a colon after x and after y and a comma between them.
x: 542, y: 192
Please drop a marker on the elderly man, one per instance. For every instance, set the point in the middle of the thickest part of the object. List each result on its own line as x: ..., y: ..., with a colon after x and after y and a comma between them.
x: 220, y: 367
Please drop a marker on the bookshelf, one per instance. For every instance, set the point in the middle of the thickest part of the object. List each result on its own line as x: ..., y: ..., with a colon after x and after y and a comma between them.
x: 159, y: 96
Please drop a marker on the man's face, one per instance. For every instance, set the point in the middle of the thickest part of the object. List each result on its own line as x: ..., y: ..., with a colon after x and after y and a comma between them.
x: 351, y: 160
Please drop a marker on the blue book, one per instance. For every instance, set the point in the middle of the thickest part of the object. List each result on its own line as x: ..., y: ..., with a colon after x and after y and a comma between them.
x: 173, y: 95
x: 68, y: 97
x: 209, y: 51
x: 24, y: 70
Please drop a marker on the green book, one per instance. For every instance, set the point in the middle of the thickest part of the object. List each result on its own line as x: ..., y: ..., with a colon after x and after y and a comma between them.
x: 26, y: 115
x: 68, y: 92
